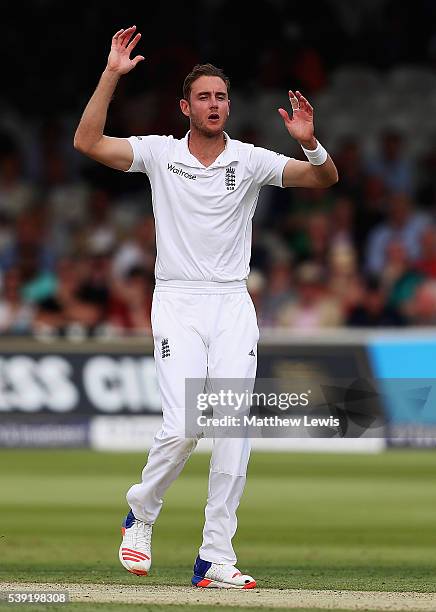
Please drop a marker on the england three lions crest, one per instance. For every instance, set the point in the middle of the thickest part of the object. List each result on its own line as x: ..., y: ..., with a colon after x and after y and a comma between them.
x: 230, y: 179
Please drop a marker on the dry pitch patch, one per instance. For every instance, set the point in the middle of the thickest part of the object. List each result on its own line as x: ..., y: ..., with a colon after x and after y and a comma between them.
x: 290, y: 598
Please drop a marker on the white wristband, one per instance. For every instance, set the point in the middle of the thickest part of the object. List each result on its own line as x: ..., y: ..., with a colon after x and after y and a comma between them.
x: 317, y: 156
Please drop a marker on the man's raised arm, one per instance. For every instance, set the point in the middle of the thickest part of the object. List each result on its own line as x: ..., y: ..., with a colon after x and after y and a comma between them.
x: 89, y: 138
x: 319, y: 171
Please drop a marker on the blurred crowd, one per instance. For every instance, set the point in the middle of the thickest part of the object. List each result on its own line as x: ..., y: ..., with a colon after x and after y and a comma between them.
x: 77, y: 243
x: 362, y: 254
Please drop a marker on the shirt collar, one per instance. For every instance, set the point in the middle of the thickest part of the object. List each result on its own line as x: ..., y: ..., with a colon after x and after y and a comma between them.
x: 183, y: 155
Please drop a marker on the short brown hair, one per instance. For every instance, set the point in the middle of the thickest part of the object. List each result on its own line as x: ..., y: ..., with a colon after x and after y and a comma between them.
x: 200, y: 70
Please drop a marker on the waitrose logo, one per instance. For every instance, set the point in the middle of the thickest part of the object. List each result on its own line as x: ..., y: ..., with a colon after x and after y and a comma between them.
x: 181, y: 172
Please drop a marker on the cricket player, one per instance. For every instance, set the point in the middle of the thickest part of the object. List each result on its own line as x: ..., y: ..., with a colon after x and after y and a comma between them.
x: 205, y: 188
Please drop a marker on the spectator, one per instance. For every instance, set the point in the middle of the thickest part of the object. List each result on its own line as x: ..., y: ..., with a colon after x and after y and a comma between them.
x: 371, y: 213
x: 343, y: 278
x: 99, y: 235
x: 350, y: 164
x: 69, y: 274
x: 427, y: 262
x: 313, y: 240
x: 392, y: 165
x: 15, y: 315
x: 49, y: 318
x: 426, y: 189
x: 15, y: 193
x: 342, y: 223
x: 137, y: 250
x: 66, y: 203
x: 399, y: 276
x: 86, y: 314
x: 372, y: 310
x: 422, y: 306
x: 30, y: 247
x: 279, y: 290
x: 404, y: 224
x: 130, y: 304
x: 313, y: 307
x: 6, y: 233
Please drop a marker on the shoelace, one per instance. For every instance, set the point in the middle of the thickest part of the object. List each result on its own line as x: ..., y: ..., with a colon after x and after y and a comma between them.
x: 142, y: 535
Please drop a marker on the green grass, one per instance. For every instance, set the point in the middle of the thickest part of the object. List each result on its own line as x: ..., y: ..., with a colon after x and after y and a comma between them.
x: 306, y: 521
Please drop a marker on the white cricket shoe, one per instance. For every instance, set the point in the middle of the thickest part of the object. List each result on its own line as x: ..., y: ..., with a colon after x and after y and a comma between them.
x: 135, y: 549
x: 220, y: 576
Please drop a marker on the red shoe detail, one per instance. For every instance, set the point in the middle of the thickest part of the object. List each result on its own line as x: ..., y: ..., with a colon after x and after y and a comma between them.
x: 237, y: 574
x: 249, y: 585
x: 130, y: 558
x: 204, y: 583
x: 138, y: 554
x: 138, y: 572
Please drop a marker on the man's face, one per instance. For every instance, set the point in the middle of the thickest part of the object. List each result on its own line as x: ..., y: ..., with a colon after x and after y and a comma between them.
x: 208, y: 106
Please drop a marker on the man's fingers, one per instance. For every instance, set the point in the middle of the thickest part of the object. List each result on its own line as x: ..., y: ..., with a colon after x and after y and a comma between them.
x: 137, y: 59
x: 284, y: 115
x: 293, y: 100
x: 299, y: 103
x: 125, y: 36
x: 116, y: 38
x: 304, y: 103
x: 132, y: 44
x: 307, y: 107
x: 117, y: 34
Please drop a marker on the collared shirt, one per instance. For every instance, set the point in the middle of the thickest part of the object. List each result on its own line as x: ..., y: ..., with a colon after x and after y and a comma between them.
x: 203, y: 215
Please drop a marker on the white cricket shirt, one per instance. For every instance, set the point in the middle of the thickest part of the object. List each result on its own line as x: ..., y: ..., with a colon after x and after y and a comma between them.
x: 203, y: 215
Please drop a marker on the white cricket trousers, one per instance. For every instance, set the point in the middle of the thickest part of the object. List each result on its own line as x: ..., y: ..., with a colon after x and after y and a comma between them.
x: 201, y: 331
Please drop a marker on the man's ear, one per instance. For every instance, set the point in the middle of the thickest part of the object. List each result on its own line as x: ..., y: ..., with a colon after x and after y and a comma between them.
x: 228, y: 112
x: 184, y: 107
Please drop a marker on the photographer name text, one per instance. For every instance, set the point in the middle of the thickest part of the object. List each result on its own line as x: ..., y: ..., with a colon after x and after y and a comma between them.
x: 272, y: 421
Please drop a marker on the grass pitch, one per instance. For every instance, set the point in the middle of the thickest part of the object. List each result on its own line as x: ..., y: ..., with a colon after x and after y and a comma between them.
x: 343, y: 522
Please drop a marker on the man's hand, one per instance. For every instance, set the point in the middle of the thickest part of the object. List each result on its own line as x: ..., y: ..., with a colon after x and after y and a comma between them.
x: 119, y: 60
x: 300, y: 126
x: 89, y: 138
